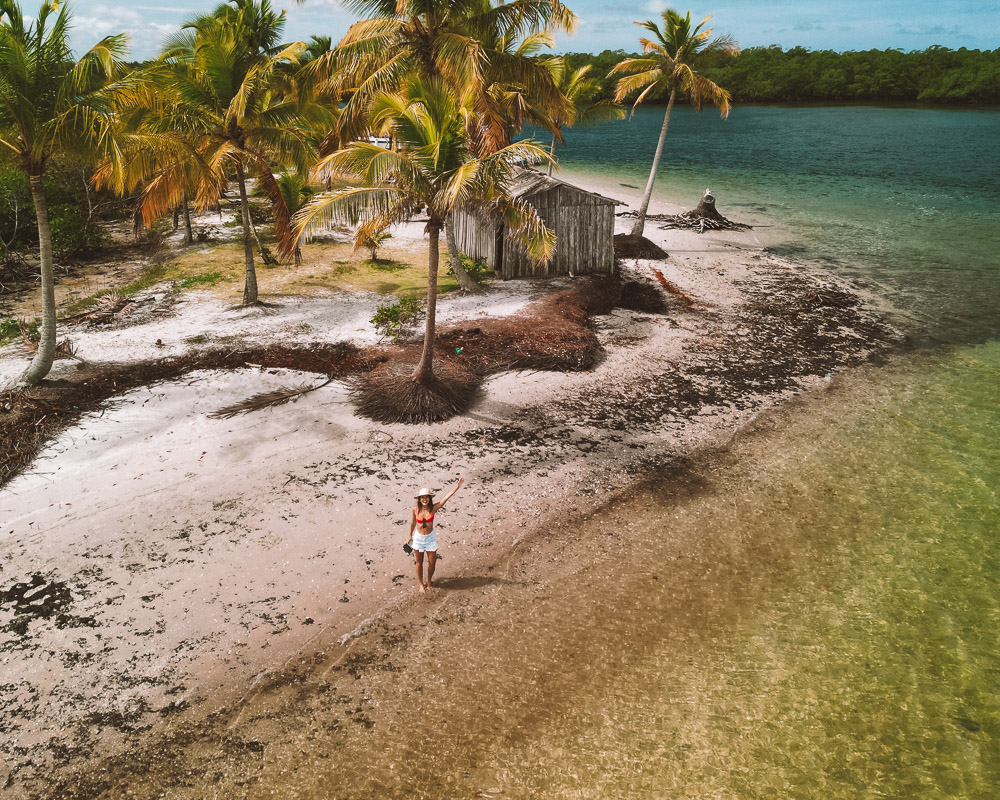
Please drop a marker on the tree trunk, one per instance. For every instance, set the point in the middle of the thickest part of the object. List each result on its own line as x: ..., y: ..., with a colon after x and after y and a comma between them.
x: 42, y: 362
x: 424, y: 373
x: 250, y: 287
x: 552, y: 154
x: 177, y: 217
x: 188, y: 237
x: 464, y: 281
x: 706, y: 208
x: 640, y: 221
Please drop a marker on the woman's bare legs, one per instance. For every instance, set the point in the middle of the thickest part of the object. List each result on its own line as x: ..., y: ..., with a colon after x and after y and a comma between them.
x: 420, y: 569
x: 432, y: 558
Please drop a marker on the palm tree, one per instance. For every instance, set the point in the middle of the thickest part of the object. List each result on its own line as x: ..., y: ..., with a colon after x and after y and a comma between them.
x: 671, y: 59
x: 578, y: 89
x: 228, y: 100
x: 49, y: 104
x: 435, y: 167
x: 455, y: 40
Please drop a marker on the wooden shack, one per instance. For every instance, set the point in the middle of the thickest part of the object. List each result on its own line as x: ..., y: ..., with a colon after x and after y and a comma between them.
x: 584, y: 224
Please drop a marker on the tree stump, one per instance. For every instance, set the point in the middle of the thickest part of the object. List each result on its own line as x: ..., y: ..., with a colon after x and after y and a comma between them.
x: 705, y: 217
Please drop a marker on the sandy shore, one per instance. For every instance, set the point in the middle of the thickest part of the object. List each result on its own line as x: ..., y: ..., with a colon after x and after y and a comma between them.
x: 158, y: 566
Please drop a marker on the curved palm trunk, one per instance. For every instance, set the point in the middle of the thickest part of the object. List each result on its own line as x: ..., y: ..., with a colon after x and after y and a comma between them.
x: 424, y: 372
x: 250, y: 287
x: 640, y: 221
x: 464, y: 281
x: 42, y: 362
x: 552, y: 153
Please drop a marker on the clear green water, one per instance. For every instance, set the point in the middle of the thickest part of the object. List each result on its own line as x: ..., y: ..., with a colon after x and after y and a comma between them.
x: 824, y: 618
x: 842, y: 641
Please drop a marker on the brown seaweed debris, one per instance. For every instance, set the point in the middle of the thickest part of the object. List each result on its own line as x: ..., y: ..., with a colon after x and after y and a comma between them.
x: 629, y: 246
x: 643, y: 297
x: 553, y: 335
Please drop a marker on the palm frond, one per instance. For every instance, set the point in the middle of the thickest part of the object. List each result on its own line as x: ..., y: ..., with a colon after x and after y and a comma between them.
x: 266, y: 400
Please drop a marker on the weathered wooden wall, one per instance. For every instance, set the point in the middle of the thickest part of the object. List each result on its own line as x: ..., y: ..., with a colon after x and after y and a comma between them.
x: 584, y: 225
x: 477, y: 238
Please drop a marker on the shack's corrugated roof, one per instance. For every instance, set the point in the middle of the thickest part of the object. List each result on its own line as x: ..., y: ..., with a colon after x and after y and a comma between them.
x: 529, y: 181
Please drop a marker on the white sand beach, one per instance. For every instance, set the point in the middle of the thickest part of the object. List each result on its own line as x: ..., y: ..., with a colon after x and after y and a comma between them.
x: 196, y: 557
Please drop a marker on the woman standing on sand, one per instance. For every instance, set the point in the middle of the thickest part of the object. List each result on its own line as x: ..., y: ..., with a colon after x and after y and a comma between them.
x: 425, y: 540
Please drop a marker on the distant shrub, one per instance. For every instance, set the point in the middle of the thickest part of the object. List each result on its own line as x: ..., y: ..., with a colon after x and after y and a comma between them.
x: 12, y: 330
x: 384, y: 264
x: 475, y: 268
x: 73, y: 233
x: 396, y: 319
x: 9, y: 330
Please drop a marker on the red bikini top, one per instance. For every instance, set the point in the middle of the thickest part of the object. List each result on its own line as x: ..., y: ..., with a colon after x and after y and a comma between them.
x: 423, y: 522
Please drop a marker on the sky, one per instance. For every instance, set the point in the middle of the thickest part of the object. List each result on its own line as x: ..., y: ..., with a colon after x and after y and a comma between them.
x: 842, y: 25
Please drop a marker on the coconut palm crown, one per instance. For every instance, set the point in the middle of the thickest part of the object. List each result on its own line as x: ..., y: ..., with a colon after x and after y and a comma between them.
x: 51, y: 103
x: 454, y: 40
x: 671, y: 57
x: 435, y: 168
x: 224, y: 96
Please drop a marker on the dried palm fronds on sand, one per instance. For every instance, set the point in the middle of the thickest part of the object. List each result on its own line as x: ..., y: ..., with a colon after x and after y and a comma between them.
x: 267, y: 399
x: 64, y: 349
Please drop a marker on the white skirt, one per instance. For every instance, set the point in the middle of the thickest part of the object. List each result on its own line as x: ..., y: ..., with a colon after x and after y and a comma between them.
x: 425, y: 542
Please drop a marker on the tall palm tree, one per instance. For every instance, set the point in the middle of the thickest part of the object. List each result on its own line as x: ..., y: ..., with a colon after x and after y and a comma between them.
x: 671, y: 59
x: 51, y: 103
x: 454, y: 40
x: 436, y: 167
x: 228, y: 100
x: 579, y: 89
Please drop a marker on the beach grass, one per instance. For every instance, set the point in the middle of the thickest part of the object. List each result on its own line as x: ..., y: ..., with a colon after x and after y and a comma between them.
x: 327, y: 266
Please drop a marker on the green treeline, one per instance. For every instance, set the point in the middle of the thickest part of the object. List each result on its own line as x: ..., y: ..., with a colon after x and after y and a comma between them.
x: 771, y: 74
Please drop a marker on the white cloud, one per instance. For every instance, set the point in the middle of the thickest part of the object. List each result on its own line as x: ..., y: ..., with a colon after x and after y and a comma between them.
x: 145, y: 36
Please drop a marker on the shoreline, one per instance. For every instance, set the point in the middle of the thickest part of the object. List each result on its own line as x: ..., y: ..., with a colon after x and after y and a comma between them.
x: 542, y: 441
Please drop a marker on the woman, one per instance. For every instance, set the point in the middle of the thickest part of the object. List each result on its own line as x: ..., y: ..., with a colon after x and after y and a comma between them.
x: 424, y: 540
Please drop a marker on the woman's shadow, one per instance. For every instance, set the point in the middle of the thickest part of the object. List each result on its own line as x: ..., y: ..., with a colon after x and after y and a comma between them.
x: 468, y: 582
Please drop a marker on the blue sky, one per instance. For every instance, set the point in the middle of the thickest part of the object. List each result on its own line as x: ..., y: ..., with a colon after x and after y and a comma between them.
x: 843, y: 25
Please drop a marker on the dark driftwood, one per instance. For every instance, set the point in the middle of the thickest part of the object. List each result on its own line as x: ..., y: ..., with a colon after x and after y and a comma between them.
x: 705, y: 217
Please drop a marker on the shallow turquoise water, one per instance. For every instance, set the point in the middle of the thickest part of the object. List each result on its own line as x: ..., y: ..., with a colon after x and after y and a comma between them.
x: 848, y: 646
x: 823, y: 617
x: 908, y: 198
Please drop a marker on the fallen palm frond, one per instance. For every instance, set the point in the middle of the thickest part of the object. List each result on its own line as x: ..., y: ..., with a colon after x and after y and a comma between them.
x: 29, y: 342
x: 66, y: 349
x: 29, y: 335
x: 267, y: 400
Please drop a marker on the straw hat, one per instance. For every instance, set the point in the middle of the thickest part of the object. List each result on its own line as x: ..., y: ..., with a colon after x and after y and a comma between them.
x: 424, y: 492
